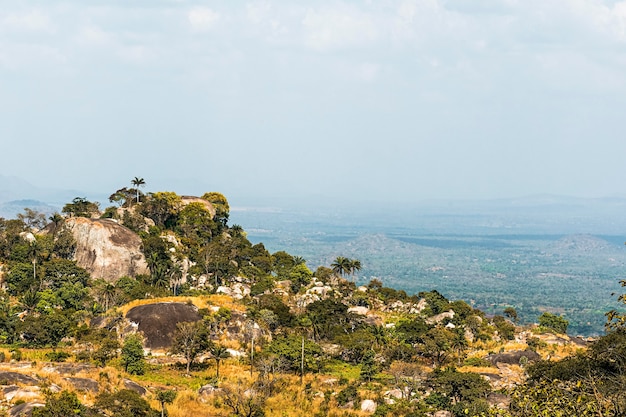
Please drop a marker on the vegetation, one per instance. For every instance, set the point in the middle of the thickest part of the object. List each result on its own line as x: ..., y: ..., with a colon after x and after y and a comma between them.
x: 272, y: 337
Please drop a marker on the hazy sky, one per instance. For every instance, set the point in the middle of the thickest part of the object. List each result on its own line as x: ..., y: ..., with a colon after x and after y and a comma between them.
x: 378, y: 100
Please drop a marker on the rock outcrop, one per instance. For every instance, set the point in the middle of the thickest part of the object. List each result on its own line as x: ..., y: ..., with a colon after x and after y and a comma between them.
x: 106, y: 249
x: 158, y: 321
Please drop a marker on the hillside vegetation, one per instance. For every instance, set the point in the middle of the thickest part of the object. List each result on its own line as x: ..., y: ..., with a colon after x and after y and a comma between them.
x: 217, y: 326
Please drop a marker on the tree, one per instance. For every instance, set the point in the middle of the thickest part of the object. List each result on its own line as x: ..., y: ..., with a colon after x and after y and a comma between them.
x: 162, y: 208
x: 107, y: 349
x: 553, y: 322
x: 137, y: 182
x: 218, y: 353
x: 190, y: 340
x: 341, y: 266
x: 355, y: 266
x: 63, y: 404
x: 238, y: 399
x: 511, y: 313
x: 220, y: 203
x: 123, y: 197
x: 132, y: 355
x: 33, y: 219
x: 81, y: 207
x: 124, y: 403
x: 165, y: 397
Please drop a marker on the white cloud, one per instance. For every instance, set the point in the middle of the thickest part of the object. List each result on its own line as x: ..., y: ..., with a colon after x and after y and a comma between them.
x: 202, y: 19
x: 93, y: 35
x: 339, y: 27
x: 31, y: 21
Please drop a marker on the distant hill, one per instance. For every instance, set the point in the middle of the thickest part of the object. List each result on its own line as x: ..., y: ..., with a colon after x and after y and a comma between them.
x: 10, y: 209
x: 16, y: 194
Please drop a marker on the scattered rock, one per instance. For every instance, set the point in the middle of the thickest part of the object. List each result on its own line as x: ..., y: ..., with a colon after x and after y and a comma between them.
x: 207, y: 390
x: 8, y: 377
x: 368, y: 406
x: 133, y: 386
x: 362, y: 311
x: 84, y: 384
x: 440, y: 317
x: 13, y: 392
x: 67, y: 368
x: 443, y: 413
x: 24, y: 409
x: 513, y: 358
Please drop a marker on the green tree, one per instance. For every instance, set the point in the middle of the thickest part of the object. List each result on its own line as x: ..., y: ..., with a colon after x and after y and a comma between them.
x: 123, y: 197
x: 63, y: 404
x: 218, y: 353
x: 81, y: 207
x: 511, y: 313
x: 220, y: 203
x: 124, y: 403
x: 553, y: 322
x: 290, y: 349
x: 190, y: 340
x: 133, y: 356
x: 165, y: 397
x: 341, y: 266
x: 162, y: 208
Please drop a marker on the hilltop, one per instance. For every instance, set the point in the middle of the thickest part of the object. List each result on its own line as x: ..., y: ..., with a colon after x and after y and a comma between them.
x: 157, y: 301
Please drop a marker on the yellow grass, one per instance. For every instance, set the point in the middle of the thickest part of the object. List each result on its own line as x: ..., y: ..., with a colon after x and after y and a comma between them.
x: 204, y: 301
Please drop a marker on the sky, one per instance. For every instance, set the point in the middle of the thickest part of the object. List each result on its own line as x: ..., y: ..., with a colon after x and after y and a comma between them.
x: 387, y: 101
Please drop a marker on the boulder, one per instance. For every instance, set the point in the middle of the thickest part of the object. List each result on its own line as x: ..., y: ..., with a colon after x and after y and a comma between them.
x: 133, y: 386
x: 8, y: 377
x: 24, y: 409
x: 106, y: 249
x: 84, y: 384
x: 514, y: 358
x: 368, y: 406
x: 158, y: 321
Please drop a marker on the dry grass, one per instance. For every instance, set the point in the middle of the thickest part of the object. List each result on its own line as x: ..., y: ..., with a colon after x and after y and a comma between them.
x: 204, y: 301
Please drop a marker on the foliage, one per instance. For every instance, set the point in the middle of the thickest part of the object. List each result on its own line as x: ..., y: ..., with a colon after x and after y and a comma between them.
x: 63, y: 404
x: 553, y: 322
x: 133, y: 359
x: 190, y: 339
x: 290, y: 349
x: 124, y: 403
x: 81, y: 207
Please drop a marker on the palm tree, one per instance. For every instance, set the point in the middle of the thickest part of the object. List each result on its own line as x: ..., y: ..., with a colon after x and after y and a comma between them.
x: 138, y: 182
x: 219, y: 353
x: 355, y: 266
x: 176, y: 275
x: 341, y: 266
x: 298, y: 260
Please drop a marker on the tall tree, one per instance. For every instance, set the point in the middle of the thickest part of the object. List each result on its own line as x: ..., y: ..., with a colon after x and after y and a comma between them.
x: 137, y: 182
x: 219, y: 353
x: 190, y: 339
x: 341, y: 266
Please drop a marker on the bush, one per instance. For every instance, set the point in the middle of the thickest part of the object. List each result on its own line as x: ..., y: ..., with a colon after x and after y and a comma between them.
x: 57, y: 356
x: 348, y: 394
x: 553, y: 322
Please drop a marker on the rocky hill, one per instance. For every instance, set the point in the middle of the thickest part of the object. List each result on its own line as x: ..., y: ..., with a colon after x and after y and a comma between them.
x: 106, y: 249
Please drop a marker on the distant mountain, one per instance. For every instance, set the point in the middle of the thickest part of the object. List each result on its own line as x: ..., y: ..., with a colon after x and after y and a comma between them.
x: 16, y: 194
x: 10, y: 209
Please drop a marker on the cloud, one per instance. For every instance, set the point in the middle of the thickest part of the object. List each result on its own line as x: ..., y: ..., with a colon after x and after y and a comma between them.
x: 339, y: 27
x: 202, y: 19
x: 30, y: 21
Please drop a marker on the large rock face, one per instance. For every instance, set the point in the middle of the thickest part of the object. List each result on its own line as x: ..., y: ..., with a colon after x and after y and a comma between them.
x: 106, y: 249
